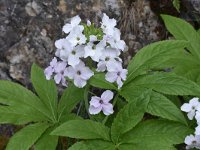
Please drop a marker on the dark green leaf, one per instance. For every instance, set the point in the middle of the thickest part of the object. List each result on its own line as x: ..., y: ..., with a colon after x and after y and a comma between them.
x: 45, y: 89
x: 155, y: 134
x: 70, y: 98
x: 153, y: 56
x: 182, y: 30
x: 129, y: 116
x: 83, y: 129
x: 160, y: 106
x: 26, y: 137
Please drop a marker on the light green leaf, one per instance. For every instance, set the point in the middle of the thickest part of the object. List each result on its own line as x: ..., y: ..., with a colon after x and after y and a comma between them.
x: 45, y: 89
x: 46, y: 141
x: 70, y: 98
x: 98, y: 80
x: 83, y: 129
x: 129, y: 116
x: 152, y: 56
x: 15, y: 95
x: 176, y: 4
x: 153, y: 133
x: 167, y: 83
x: 182, y: 30
x: 26, y: 137
x: 160, y: 106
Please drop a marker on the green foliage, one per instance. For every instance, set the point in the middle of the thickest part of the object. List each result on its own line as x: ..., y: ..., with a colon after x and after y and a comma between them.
x: 153, y: 56
x: 92, y: 30
x: 187, y: 63
x: 161, y: 106
x: 43, y: 113
x: 83, y: 129
x: 129, y: 116
x: 155, y: 134
x: 26, y: 137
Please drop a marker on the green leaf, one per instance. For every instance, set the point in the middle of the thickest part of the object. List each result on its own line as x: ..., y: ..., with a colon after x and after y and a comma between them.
x: 182, y: 30
x: 18, y: 115
x: 176, y: 4
x: 98, y: 80
x: 153, y: 134
x: 160, y: 106
x: 46, y: 141
x: 26, y: 137
x: 153, y: 56
x: 100, y: 145
x: 79, y: 146
x: 129, y: 116
x: 83, y: 129
x: 167, y: 83
x: 70, y: 98
x: 45, y: 89
x: 15, y: 95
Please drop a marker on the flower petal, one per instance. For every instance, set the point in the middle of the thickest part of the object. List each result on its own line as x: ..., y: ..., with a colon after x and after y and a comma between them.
x: 94, y: 110
x: 107, y: 96
x: 107, y: 109
x: 95, y: 101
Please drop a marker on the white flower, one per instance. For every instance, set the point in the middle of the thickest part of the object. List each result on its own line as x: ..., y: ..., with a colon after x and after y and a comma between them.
x: 69, y: 26
x: 109, y: 55
x: 102, y: 103
x: 80, y: 74
x: 76, y: 36
x: 192, y: 141
x: 197, y: 115
x: 197, y: 130
x: 62, y: 45
x: 50, y: 69
x: 74, y: 55
x: 116, y: 74
x: 93, y: 38
x: 89, y: 23
x: 115, y: 41
x: 60, y: 73
x: 191, y: 107
x: 94, y: 51
x: 108, y: 24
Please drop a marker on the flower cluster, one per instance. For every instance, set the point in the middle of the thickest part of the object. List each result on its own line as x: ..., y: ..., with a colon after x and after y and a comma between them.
x: 193, y: 111
x: 88, y: 48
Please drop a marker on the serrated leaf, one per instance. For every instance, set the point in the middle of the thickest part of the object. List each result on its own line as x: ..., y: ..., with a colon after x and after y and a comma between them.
x: 98, y: 80
x: 129, y: 116
x: 46, y: 89
x: 83, y: 129
x: 160, y: 106
x: 153, y: 133
x: 46, y: 141
x: 26, y: 137
x: 182, y: 30
x: 152, y: 56
x: 15, y: 95
x: 167, y: 83
x: 18, y: 115
x: 69, y: 99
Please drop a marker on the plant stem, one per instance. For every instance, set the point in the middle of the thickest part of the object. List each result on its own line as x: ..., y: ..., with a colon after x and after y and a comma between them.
x: 114, y: 102
x: 86, y: 91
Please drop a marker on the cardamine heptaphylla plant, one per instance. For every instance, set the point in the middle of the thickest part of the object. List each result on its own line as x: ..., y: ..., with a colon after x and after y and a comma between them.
x: 105, y: 106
